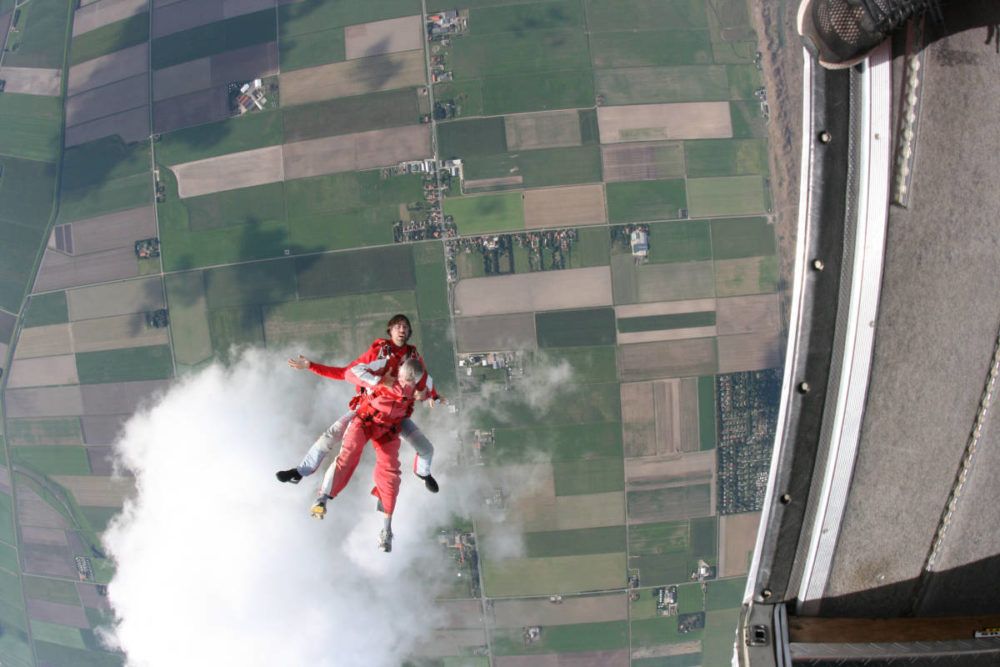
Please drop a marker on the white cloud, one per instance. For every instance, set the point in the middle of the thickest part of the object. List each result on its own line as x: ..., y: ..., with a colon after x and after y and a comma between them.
x: 218, y: 563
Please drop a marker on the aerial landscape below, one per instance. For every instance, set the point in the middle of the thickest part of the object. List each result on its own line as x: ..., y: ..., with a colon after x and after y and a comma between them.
x: 571, y: 200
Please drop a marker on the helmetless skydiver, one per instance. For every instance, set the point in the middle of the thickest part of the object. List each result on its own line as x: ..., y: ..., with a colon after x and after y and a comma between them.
x: 388, y: 353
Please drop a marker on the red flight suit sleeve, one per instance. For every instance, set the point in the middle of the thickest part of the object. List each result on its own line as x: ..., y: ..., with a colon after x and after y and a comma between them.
x: 332, y: 372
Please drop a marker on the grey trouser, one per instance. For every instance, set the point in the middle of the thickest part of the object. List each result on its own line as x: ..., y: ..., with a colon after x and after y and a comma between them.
x: 408, y: 431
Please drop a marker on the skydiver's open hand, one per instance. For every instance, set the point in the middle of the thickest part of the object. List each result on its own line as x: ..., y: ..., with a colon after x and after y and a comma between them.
x: 388, y: 380
x: 299, y: 363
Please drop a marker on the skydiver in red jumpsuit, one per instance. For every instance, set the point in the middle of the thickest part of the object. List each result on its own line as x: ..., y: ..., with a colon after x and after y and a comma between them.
x: 378, y: 416
x: 391, y: 351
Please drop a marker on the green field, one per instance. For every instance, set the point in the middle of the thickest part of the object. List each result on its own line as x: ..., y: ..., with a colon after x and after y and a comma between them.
x: 742, y: 237
x: 57, y: 634
x: 589, y: 365
x: 235, y: 327
x: 655, y: 539
x: 8, y: 559
x: 603, y: 15
x: 311, y: 49
x: 576, y: 328
x: 592, y: 248
x: 559, y: 443
x: 103, y: 176
x: 52, y: 431
x: 725, y: 157
x: 246, y: 206
x: 486, y: 213
x: 342, y: 230
x: 52, y: 460
x: 725, y: 594
x: 563, y: 639
x: 651, y: 48
x: 537, y: 92
x: 46, y: 309
x: 706, y: 412
x: 664, y: 322
x: 579, y: 542
x: 517, y: 94
x: 645, y: 200
x: 51, y: 590
x: 347, y: 115
x: 717, y: 646
x: 57, y: 654
x: 250, y: 284
x: 438, y: 350
x: 671, y: 503
x: 663, y: 630
x: 315, y: 15
x: 214, y: 38
x: 109, y: 38
x: 115, y: 195
x: 467, y: 138
x: 539, y: 168
x: 6, y: 519
x: 746, y: 120
x: 189, y: 333
x: 233, y: 135
x: 559, y: 574
x: 431, y: 277
x: 574, y: 478
x: 125, y: 365
x: 646, y: 85
x: 27, y: 188
x: 355, y: 272
x: 744, y: 79
x: 754, y: 275
x: 41, y: 40
x: 704, y: 537
x: 680, y: 241
x: 590, y: 403
x: 514, y: 18
x: 514, y: 53
x: 349, y: 191
x: 19, y: 245
x: 726, y: 195
x: 30, y: 126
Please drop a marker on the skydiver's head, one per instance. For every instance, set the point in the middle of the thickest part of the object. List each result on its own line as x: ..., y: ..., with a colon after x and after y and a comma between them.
x: 410, y: 372
x: 399, y: 330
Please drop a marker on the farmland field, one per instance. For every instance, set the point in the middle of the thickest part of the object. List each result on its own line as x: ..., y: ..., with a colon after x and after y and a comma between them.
x: 29, y: 126
x: 560, y: 574
x: 125, y: 365
x: 213, y: 38
x: 645, y: 200
x: 726, y: 195
x: 576, y: 328
x: 110, y: 38
x: 42, y: 39
x: 486, y: 213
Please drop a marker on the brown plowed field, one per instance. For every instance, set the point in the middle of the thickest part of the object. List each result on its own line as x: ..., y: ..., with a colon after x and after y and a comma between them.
x: 229, y: 172
x: 565, y: 207
x: 354, y: 77
x: 531, y: 292
x: 545, y: 129
x: 656, y: 122
x: 749, y: 352
x: 380, y: 37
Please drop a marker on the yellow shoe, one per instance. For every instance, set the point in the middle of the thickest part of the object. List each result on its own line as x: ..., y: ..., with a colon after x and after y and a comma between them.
x: 318, y: 510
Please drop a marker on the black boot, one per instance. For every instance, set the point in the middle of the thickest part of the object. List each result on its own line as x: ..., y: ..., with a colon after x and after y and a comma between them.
x: 430, y: 483
x: 291, y: 475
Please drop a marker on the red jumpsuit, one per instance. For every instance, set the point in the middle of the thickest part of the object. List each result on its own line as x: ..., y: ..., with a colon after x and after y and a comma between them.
x: 381, y: 354
x: 377, y: 418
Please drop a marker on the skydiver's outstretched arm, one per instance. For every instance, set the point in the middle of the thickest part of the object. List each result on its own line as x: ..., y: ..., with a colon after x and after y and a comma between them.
x: 333, y: 372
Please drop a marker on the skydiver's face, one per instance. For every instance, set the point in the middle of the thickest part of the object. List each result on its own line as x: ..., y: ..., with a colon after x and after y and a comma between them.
x: 406, y: 382
x: 399, y: 332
